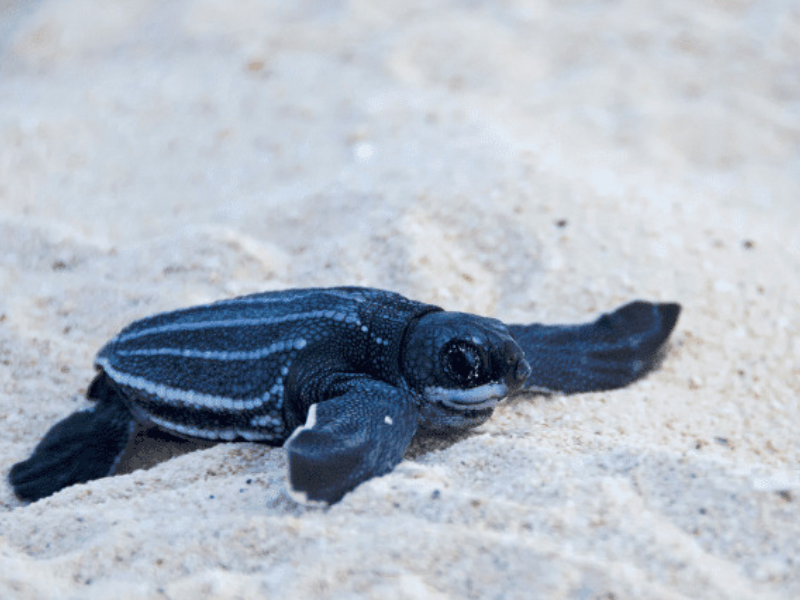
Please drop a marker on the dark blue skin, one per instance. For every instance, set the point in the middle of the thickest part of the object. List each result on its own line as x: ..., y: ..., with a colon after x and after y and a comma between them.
x: 351, y: 373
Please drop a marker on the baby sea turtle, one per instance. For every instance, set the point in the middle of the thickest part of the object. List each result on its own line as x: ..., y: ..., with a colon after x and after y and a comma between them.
x: 344, y: 376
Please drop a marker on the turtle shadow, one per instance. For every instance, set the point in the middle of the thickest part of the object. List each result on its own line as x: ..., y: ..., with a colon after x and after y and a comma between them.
x: 150, y: 446
x: 430, y: 441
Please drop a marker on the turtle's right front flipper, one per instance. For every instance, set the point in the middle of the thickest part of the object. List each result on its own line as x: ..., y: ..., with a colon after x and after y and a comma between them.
x: 360, y: 434
x: 84, y: 446
x: 611, y: 352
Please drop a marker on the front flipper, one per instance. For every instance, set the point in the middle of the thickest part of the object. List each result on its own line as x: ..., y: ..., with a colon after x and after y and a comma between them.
x: 611, y: 352
x: 360, y: 434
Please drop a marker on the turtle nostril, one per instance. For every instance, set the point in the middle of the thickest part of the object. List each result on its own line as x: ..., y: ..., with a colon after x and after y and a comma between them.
x: 522, y: 371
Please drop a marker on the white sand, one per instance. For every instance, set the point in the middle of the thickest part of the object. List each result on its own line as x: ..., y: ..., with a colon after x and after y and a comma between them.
x: 158, y: 154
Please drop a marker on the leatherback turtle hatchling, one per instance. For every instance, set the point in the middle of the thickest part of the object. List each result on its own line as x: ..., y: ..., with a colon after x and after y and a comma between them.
x: 345, y: 376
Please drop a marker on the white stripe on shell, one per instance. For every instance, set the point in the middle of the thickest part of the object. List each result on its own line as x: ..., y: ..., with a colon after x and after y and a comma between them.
x: 267, y: 420
x: 179, y: 397
x: 355, y: 296
x: 279, y: 296
x: 477, y: 398
x: 214, y: 434
x: 273, y: 297
x: 296, y: 344
x: 340, y: 316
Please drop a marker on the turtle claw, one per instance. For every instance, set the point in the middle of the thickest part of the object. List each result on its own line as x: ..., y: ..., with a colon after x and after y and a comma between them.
x: 349, y: 439
x: 611, y: 352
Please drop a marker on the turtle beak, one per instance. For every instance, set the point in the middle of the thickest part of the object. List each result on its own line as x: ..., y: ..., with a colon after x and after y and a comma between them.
x: 517, y: 368
x: 518, y: 375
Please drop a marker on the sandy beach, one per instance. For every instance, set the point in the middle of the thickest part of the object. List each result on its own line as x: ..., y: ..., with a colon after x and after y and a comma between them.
x: 526, y: 160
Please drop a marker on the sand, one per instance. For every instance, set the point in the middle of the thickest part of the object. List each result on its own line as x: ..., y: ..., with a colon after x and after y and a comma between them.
x: 531, y: 161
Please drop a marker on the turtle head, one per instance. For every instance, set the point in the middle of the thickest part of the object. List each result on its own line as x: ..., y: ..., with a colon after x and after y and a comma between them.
x: 460, y: 366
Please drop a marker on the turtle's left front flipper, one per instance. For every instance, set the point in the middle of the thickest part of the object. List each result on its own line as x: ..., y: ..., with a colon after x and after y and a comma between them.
x: 360, y: 434
x: 611, y: 352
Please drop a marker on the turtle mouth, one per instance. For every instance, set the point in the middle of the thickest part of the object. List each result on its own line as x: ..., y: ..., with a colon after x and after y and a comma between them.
x: 473, y: 399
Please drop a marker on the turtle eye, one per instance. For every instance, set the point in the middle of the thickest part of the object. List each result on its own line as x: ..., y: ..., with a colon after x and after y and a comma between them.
x: 463, y: 363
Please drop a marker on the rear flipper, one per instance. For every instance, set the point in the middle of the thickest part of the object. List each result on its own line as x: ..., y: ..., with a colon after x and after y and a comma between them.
x: 84, y: 446
x: 349, y: 439
x: 613, y: 351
